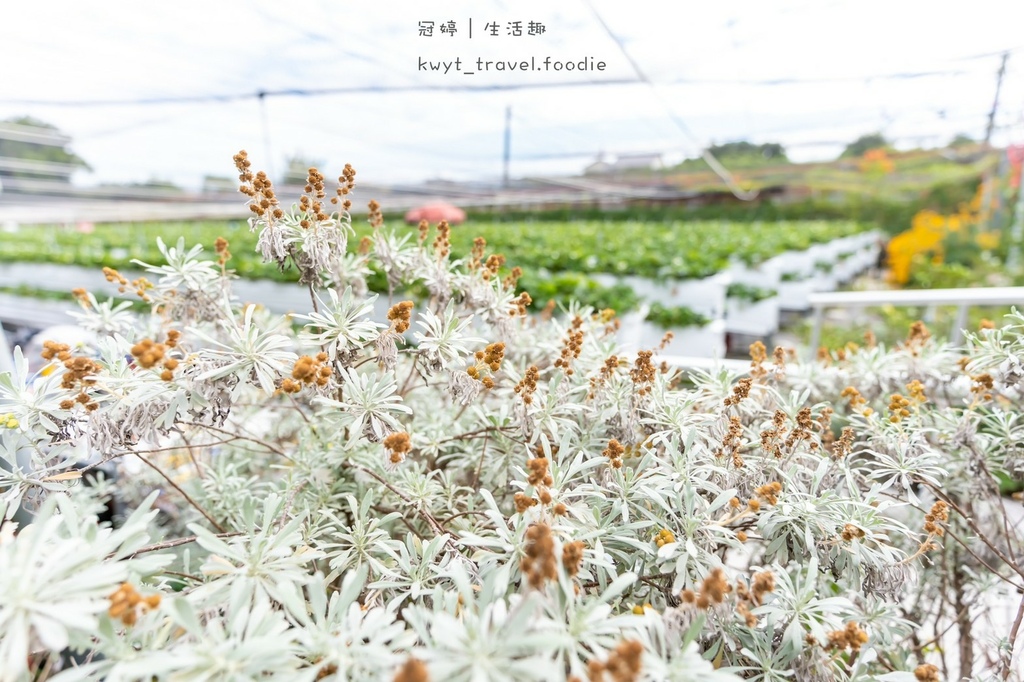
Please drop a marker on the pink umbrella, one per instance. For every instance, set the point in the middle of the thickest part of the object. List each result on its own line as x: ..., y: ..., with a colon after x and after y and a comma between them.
x: 435, y: 212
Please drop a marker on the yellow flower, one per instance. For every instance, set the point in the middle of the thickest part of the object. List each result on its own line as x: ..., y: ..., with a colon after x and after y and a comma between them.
x: 664, y: 537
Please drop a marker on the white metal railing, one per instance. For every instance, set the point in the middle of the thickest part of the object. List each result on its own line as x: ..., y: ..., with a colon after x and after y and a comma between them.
x: 689, y: 363
x: 963, y: 298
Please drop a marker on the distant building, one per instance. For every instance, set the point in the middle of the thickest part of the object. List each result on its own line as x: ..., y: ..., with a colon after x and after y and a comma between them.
x: 624, y: 162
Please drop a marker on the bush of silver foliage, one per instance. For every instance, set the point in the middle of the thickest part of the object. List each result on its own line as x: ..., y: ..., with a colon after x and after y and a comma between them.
x: 469, y: 492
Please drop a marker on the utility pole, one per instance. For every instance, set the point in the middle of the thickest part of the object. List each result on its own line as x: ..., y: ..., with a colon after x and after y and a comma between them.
x: 507, y: 153
x: 989, y: 179
x: 995, y: 102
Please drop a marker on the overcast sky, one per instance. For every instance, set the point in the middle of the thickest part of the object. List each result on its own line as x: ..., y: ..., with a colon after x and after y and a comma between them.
x: 809, y: 74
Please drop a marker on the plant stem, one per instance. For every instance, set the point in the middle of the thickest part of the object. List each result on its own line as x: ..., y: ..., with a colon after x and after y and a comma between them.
x: 182, y: 493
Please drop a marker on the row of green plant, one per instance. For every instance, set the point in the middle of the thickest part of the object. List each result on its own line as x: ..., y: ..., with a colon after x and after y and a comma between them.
x: 673, y: 249
x: 890, y: 215
x: 675, y: 317
x: 749, y: 293
x: 572, y: 286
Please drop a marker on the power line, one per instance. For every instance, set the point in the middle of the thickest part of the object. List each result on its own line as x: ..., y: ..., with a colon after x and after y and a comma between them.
x: 312, y: 92
x: 819, y: 81
x: 375, y: 89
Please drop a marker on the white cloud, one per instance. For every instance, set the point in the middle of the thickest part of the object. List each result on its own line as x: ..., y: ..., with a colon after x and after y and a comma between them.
x: 706, y: 57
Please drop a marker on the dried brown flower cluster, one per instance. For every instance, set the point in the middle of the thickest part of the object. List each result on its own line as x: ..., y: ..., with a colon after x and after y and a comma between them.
x: 772, y: 436
x: 715, y: 587
x: 851, y: 532
x: 424, y: 229
x: 476, y: 254
x: 442, y: 242
x: 927, y: 673
x: 572, y: 557
x: 365, y: 245
x: 527, y: 386
x: 400, y: 316
x: 732, y: 441
x: 844, y: 446
x: 614, y: 453
x: 572, y: 346
x: 758, y: 355
x: 916, y: 390
x: 549, y: 310
x: 540, y: 563
x: 221, y: 248
x: 126, y: 601
x: 765, y: 494
x: 917, y: 337
x: 764, y: 582
x: 397, y: 446
x: 258, y: 188
x: 825, y: 420
x: 82, y: 296
x: 712, y: 591
x: 62, y: 353
x: 981, y: 387
x: 512, y: 278
x: 611, y: 364
x: 346, y: 183
x: 856, y: 400
x: 493, y: 265
x: 148, y: 354
x: 375, y: 216
x: 643, y: 372
x: 308, y: 371
x: 55, y: 351
x: 520, y: 304
x: 769, y: 492
x: 413, y: 670
x: 898, y: 408
x: 803, y: 431
x: 112, y: 275
x: 624, y: 664
x: 740, y: 392
x: 936, y: 516
x: 492, y: 356
x: 851, y: 637
x: 540, y: 478
x: 78, y: 373
x: 523, y: 502
x: 313, y: 206
x: 488, y: 362
x: 140, y: 285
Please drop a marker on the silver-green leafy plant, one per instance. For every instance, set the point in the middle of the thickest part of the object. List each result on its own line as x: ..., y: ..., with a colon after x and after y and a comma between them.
x: 461, y: 491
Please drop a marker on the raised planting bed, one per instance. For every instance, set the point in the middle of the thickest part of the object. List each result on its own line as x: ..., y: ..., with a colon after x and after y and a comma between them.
x: 703, y: 339
x: 752, y: 317
x: 675, y: 249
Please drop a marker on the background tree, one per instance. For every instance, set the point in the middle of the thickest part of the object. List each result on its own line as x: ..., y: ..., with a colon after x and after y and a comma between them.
x: 34, y: 149
x: 742, y: 148
x: 864, y: 143
x: 962, y: 140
